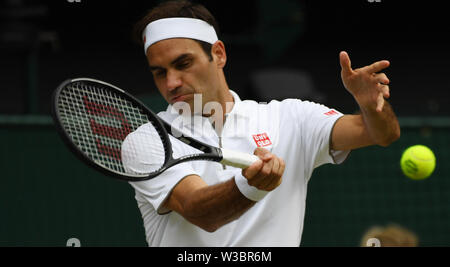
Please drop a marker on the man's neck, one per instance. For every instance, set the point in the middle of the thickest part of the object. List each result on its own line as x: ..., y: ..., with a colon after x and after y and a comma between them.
x: 227, y: 102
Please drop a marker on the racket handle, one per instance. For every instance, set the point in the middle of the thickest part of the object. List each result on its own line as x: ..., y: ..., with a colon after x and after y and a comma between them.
x: 237, y: 159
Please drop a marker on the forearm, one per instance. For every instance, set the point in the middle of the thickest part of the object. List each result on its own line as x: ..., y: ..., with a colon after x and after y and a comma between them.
x: 211, y: 207
x: 382, y: 127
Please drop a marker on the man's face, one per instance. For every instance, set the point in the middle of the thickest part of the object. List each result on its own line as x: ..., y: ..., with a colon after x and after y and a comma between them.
x: 181, y: 69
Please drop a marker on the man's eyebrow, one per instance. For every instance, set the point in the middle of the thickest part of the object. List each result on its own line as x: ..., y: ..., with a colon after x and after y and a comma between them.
x: 153, y: 68
x: 181, y: 58
x: 174, y: 62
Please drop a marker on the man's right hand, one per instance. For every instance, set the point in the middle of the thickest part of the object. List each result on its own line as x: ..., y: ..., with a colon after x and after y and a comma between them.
x: 267, y: 173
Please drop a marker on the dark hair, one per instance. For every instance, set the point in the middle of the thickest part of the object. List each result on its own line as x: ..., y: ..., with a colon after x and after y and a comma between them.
x: 171, y: 9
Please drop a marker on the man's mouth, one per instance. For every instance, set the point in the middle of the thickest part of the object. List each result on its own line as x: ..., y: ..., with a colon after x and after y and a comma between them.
x: 179, y: 98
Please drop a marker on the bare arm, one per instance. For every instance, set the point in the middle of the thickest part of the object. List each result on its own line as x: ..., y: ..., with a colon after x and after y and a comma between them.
x: 211, y: 207
x: 208, y: 207
x: 377, y: 124
x: 383, y: 127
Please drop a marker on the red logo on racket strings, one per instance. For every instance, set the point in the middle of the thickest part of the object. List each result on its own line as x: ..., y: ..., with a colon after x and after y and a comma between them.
x: 262, y: 140
x: 97, y: 109
x: 331, y: 113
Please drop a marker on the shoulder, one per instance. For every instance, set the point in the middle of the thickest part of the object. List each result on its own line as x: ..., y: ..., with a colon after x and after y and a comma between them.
x: 289, y: 103
x: 298, y: 104
x: 287, y: 108
x: 307, y: 110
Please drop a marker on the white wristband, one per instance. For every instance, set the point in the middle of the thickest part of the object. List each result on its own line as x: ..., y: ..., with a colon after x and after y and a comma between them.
x: 247, y: 190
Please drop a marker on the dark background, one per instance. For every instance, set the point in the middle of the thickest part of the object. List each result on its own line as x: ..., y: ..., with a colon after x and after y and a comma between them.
x: 45, y: 42
x: 48, y: 196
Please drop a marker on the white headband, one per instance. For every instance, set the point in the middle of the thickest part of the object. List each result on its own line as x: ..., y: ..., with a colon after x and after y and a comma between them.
x: 178, y: 28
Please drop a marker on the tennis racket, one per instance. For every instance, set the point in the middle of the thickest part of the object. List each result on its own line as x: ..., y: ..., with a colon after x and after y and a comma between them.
x: 94, y: 118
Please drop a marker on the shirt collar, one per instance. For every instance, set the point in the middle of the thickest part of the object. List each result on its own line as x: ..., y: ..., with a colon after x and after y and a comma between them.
x: 237, y: 110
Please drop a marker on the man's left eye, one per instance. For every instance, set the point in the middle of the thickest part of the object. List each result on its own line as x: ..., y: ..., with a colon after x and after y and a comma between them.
x: 183, y: 65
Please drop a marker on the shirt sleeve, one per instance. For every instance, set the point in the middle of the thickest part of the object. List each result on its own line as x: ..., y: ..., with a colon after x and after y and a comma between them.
x: 315, y: 123
x: 157, y: 189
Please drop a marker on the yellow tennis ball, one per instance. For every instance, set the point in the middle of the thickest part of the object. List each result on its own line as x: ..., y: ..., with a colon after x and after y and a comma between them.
x: 418, y: 162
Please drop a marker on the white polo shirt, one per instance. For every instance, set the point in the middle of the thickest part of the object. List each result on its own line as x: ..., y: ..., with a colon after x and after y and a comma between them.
x: 297, y: 131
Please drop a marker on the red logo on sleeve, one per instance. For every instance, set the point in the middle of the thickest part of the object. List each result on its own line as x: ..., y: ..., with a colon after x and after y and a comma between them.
x: 262, y: 140
x: 331, y: 113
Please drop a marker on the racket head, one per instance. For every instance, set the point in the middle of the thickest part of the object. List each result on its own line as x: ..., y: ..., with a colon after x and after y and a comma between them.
x: 94, y: 117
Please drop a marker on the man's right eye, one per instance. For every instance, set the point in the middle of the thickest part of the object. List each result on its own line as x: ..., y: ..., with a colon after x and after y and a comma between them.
x: 159, y: 73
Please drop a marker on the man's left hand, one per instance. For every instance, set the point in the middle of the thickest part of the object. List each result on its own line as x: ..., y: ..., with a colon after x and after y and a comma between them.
x: 368, y: 86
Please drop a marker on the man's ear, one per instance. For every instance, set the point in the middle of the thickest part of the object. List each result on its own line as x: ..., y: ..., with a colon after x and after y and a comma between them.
x: 219, y: 54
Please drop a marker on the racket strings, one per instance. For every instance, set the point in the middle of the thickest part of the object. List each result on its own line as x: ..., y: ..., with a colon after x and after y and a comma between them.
x: 98, y: 120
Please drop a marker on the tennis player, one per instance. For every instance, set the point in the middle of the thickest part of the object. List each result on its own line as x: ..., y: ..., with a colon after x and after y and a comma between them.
x: 204, y: 203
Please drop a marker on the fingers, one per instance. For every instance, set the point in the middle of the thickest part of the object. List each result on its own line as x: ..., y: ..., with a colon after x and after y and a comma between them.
x: 267, y: 173
x: 381, y: 78
x: 262, y: 153
x: 380, y: 102
x: 253, y: 169
x: 378, y: 66
x: 383, y: 92
x: 345, y: 62
x: 384, y: 89
x: 258, y: 180
x: 271, y: 170
x: 256, y: 167
x: 277, y: 175
x: 368, y: 85
x: 346, y: 65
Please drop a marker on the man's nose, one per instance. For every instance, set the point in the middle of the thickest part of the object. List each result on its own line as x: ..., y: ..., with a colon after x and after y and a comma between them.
x: 173, y: 80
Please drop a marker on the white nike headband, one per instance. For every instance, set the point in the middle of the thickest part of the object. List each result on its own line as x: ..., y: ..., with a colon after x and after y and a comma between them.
x: 163, y: 29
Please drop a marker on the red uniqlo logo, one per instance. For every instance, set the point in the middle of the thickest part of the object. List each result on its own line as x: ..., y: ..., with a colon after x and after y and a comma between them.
x: 331, y: 113
x: 262, y: 140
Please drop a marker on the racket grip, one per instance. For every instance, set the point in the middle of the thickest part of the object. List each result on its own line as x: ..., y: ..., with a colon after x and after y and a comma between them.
x: 237, y: 159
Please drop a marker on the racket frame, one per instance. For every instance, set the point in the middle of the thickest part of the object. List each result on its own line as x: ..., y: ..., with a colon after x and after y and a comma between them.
x: 211, y: 153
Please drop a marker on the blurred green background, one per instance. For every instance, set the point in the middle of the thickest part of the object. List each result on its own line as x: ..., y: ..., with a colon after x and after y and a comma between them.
x: 48, y: 196
x: 369, y: 189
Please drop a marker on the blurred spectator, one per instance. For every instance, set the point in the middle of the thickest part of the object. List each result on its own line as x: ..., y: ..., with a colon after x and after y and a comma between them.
x: 389, y: 236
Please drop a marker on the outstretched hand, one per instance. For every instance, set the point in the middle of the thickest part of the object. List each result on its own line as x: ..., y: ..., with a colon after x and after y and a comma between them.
x: 367, y: 85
